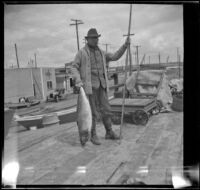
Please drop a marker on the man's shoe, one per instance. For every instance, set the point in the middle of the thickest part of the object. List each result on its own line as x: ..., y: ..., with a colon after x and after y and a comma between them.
x: 94, y: 139
x: 111, y: 135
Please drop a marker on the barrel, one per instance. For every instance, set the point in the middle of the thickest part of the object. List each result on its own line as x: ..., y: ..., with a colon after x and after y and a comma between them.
x: 50, y: 120
x: 177, y: 104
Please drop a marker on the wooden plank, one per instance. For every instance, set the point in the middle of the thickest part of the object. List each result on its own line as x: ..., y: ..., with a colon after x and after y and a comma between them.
x: 47, y: 157
x: 147, y: 83
x: 135, y: 148
x: 138, y: 94
x: 131, y: 102
x: 166, y: 154
x: 108, y: 158
x: 56, y: 159
x: 152, y: 66
x: 162, y: 151
x: 67, y: 168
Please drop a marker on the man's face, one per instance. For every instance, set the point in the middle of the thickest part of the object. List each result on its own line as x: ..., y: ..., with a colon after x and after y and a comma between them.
x: 93, y: 41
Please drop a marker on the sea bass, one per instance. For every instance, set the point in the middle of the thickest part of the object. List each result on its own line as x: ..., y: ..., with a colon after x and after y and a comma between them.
x: 84, y: 117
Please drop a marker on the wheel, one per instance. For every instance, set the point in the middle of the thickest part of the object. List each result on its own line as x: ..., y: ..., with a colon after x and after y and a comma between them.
x: 140, y: 117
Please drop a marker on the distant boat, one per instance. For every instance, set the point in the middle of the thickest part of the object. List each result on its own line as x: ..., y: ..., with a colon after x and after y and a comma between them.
x: 64, y: 116
x: 23, y: 105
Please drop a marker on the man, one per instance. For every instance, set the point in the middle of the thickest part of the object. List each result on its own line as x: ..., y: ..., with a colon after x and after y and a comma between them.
x: 90, y: 71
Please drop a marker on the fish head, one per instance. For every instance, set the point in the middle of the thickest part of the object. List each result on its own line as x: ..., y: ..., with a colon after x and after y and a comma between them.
x: 84, y: 137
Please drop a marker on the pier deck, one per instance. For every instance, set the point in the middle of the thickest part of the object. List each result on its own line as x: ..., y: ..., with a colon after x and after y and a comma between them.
x: 53, y: 155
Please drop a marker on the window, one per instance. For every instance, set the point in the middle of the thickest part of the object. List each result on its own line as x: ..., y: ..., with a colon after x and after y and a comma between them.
x: 49, y: 85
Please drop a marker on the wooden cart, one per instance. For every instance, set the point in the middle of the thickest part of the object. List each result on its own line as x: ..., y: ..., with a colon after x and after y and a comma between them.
x: 138, y: 105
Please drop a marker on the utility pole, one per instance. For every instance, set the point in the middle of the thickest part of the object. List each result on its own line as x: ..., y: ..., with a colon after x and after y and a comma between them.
x: 130, y: 58
x: 177, y: 55
x: 16, y: 56
x: 77, y: 22
x: 31, y: 62
x: 137, y: 52
x: 136, y: 57
x: 159, y: 57
x: 149, y: 59
x: 179, y: 65
x: 35, y: 61
x: 167, y: 59
x: 178, y: 62
x: 106, y: 46
x: 143, y: 60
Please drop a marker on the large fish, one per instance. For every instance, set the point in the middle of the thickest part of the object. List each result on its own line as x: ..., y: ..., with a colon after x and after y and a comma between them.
x: 84, y: 117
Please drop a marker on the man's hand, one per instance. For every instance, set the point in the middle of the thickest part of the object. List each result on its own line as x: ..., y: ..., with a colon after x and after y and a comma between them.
x: 128, y: 41
x: 77, y: 87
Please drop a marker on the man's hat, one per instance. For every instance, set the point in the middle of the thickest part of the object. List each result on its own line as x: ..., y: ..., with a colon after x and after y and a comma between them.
x: 92, y: 33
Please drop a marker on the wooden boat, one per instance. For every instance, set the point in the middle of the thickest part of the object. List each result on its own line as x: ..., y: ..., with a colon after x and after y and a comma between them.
x: 35, y: 102
x: 64, y: 116
x: 18, y: 105
x: 23, y: 105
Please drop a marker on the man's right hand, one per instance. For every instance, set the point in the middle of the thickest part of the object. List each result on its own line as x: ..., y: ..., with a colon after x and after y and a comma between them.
x: 77, y: 88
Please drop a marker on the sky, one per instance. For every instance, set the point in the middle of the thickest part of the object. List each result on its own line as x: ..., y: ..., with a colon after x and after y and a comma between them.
x: 44, y: 30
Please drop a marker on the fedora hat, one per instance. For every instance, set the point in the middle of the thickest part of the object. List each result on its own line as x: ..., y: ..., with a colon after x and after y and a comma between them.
x: 92, y: 33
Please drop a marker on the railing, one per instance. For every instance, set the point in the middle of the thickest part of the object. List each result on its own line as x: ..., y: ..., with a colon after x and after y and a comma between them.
x: 143, y: 66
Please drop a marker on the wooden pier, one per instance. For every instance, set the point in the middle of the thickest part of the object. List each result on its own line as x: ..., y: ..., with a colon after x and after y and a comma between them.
x: 53, y: 155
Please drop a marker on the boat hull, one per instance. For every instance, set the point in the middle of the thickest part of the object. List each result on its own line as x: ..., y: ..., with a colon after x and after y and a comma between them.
x: 64, y: 116
x: 23, y: 105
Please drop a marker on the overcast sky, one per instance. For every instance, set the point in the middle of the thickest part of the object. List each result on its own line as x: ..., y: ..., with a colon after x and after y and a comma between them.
x: 45, y: 29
